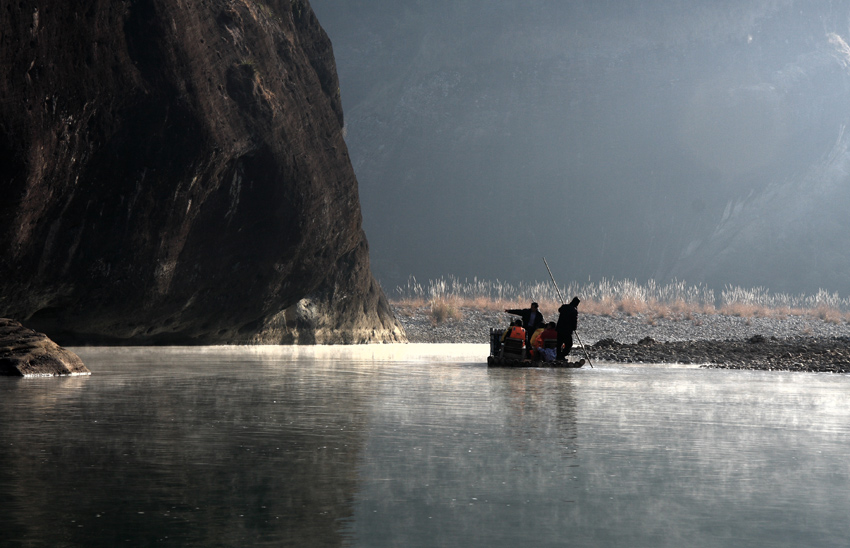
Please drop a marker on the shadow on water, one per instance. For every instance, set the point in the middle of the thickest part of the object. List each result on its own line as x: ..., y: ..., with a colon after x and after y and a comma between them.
x: 202, y: 448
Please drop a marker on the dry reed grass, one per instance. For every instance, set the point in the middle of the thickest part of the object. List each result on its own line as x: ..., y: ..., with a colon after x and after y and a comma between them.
x: 741, y: 310
x: 445, y: 309
x: 447, y: 297
x: 828, y: 314
x: 605, y: 307
x: 632, y: 306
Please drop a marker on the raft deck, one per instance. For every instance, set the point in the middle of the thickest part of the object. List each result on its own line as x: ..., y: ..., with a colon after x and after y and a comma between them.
x: 496, y: 361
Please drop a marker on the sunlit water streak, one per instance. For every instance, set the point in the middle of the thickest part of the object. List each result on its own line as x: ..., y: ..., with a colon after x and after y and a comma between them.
x: 418, y: 445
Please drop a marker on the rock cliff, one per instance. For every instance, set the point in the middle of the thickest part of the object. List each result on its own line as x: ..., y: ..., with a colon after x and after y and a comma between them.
x: 175, y: 172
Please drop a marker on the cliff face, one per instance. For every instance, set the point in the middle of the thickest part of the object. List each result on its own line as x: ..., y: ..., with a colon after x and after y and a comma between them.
x: 793, y: 233
x: 176, y: 173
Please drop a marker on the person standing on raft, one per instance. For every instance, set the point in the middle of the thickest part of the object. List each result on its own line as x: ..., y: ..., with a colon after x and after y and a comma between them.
x: 567, y: 323
x: 532, y: 319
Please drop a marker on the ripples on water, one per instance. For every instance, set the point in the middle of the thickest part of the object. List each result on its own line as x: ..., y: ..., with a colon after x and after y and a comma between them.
x: 418, y: 445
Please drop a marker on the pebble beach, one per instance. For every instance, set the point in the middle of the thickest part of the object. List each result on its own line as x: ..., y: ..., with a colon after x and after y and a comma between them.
x: 792, y: 343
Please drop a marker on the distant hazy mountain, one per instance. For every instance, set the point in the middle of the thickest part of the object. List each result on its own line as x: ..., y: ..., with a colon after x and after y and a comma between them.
x: 702, y: 140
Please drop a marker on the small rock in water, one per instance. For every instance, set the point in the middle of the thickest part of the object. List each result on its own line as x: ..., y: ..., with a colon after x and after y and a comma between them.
x: 27, y: 353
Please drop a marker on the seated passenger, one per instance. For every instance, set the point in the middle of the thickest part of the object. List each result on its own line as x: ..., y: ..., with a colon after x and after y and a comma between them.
x: 551, y: 334
x: 515, y: 331
x: 535, y: 339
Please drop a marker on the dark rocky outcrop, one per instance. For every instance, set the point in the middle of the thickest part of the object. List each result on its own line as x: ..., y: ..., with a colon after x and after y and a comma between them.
x: 27, y: 353
x: 175, y: 172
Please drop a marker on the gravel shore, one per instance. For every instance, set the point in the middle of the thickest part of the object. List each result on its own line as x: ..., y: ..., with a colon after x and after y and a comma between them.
x: 794, y: 343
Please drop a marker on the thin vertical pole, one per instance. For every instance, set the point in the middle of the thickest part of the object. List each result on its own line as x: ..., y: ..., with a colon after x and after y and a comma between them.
x: 561, y: 296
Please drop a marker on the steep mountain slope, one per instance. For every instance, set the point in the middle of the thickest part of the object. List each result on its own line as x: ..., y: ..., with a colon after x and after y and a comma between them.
x: 175, y: 172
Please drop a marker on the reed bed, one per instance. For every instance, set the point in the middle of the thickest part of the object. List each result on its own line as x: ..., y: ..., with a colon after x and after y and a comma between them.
x: 448, y: 296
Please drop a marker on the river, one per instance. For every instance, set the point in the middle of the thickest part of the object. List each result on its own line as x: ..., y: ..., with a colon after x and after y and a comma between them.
x: 418, y: 445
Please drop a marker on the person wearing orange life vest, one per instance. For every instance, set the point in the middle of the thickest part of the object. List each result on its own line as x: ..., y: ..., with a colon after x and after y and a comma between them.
x: 532, y: 319
x: 539, y: 342
x: 533, y: 342
x: 514, y: 331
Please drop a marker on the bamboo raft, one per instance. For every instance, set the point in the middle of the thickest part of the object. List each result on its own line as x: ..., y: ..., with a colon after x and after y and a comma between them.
x: 497, y: 361
x: 513, y: 354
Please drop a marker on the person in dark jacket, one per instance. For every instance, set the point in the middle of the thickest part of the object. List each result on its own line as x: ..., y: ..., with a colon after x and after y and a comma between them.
x: 532, y: 319
x: 567, y: 323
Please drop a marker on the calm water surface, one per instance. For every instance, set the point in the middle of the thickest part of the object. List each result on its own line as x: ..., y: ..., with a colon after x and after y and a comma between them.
x: 418, y: 445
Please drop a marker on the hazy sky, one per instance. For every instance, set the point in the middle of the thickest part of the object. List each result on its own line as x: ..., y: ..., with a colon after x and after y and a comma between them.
x: 619, y: 139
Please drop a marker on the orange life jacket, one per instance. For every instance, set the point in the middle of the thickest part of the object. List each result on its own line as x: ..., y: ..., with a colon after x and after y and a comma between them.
x: 536, y: 339
x: 517, y: 332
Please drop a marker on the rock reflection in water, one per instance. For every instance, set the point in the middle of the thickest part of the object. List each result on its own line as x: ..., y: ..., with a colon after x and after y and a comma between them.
x: 203, y: 447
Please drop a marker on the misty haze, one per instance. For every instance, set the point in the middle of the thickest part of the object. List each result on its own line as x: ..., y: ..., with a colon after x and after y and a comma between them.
x: 701, y: 141
x: 257, y: 262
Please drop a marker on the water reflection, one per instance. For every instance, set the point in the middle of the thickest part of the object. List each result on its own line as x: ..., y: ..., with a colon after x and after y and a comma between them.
x: 418, y: 445
x: 191, y: 447
x: 539, y: 406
